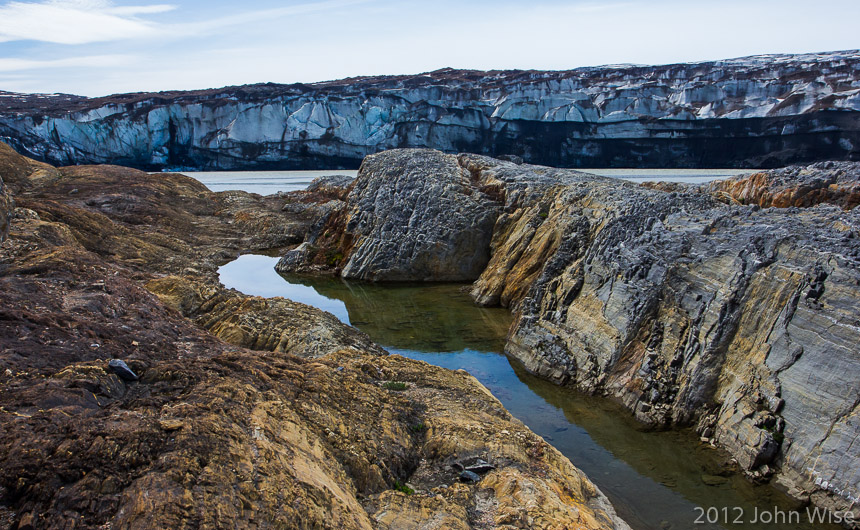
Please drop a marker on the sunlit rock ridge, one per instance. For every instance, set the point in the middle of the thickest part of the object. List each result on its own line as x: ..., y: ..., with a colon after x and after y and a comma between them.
x: 760, y: 111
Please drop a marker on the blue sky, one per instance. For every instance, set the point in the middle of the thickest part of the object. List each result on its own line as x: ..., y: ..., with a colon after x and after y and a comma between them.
x: 99, y: 47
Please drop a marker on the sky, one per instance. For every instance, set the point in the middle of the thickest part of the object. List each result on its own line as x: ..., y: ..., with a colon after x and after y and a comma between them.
x: 101, y: 47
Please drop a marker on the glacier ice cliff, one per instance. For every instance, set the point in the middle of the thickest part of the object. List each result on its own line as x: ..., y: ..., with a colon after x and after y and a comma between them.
x: 761, y: 111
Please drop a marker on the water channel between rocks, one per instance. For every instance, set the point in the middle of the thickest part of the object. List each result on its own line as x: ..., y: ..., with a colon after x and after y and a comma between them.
x: 655, y: 480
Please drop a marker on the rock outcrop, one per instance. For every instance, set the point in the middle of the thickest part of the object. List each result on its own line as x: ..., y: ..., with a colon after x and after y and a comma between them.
x: 268, y: 324
x: 800, y: 186
x: 397, y: 234
x: 762, y: 111
x: 321, y: 430
x: 823, y: 183
x: 739, y: 320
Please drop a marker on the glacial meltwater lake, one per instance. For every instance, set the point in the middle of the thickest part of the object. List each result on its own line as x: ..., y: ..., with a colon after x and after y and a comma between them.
x: 655, y: 480
x: 269, y: 182
x: 262, y: 182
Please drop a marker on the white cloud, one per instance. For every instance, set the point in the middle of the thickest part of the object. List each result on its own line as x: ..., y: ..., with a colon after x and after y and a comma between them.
x: 242, y: 18
x: 92, y: 61
x: 75, y: 21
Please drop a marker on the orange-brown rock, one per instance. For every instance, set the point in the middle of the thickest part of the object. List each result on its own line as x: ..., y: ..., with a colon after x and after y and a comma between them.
x: 835, y: 183
x: 216, y: 435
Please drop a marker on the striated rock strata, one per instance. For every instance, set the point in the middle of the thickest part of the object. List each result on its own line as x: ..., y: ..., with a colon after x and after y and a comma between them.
x: 762, y: 111
x: 104, y: 262
x: 739, y: 320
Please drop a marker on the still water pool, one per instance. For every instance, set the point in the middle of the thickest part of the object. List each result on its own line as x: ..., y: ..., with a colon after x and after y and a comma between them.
x: 655, y: 480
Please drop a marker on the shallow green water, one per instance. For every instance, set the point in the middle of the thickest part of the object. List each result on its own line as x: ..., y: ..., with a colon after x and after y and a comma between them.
x: 655, y: 480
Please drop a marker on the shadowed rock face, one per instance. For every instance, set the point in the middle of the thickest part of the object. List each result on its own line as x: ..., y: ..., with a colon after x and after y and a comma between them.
x: 248, y: 412
x: 739, y: 320
x: 763, y: 111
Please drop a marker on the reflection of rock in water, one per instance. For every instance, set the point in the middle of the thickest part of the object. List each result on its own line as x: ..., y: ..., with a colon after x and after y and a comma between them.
x: 673, y: 459
x: 418, y: 317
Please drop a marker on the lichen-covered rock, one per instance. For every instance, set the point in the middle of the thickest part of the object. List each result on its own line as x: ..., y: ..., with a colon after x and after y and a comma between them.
x: 332, y: 185
x: 215, y: 435
x: 801, y: 186
x: 795, y: 186
x: 674, y: 305
x: 268, y: 324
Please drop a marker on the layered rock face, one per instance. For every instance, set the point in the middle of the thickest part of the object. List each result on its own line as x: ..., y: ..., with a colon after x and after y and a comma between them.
x: 281, y: 416
x: 740, y: 320
x: 823, y: 183
x: 763, y: 111
x: 800, y: 186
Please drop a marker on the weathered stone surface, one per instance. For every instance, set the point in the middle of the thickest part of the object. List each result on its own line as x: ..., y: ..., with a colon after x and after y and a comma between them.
x: 685, y: 309
x: 215, y: 435
x: 762, y: 111
x: 413, y: 214
x: 269, y: 324
x: 799, y: 186
x: 675, y: 307
x: 334, y: 185
x: 802, y: 186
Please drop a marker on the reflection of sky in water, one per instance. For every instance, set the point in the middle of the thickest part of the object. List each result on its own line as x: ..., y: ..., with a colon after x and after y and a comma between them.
x: 256, y: 276
x: 654, y: 479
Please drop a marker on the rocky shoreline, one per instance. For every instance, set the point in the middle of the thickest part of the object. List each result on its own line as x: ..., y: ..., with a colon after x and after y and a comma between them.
x: 248, y: 412
x: 692, y: 305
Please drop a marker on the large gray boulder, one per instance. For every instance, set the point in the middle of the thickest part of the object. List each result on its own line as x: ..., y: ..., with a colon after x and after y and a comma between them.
x: 416, y: 214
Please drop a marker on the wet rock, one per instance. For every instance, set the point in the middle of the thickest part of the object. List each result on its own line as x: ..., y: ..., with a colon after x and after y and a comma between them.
x: 121, y: 369
x: 469, y: 476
